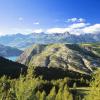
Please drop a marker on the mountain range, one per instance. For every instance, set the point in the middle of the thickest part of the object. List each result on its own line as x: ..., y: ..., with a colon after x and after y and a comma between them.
x: 7, y: 51
x: 22, y: 41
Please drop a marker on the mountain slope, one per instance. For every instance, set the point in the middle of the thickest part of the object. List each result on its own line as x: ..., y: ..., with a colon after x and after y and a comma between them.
x: 94, y: 47
x: 23, y: 41
x: 65, y: 56
x: 10, y: 68
x: 7, y: 51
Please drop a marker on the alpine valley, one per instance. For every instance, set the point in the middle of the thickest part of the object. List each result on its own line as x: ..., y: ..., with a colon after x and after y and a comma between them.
x: 49, y: 49
x: 50, y: 66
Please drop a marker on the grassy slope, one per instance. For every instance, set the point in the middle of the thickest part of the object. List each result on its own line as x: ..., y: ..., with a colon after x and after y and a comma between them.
x: 83, y: 91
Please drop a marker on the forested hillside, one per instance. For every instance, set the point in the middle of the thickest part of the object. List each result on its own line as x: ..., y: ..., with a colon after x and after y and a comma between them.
x: 11, y: 69
x: 20, y: 82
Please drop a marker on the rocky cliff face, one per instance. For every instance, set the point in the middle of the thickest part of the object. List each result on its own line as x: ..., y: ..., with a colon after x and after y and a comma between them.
x: 65, y: 56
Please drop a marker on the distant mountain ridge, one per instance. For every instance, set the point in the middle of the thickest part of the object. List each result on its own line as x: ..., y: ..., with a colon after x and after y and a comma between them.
x: 7, y: 51
x: 23, y: 41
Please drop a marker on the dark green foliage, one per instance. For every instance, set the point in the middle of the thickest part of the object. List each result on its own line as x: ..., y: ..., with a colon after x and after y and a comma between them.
x: 40, y: 83
x: 58, y: 73
x: 94, y: 93
x: 33, y: 89
x: 11, y: 69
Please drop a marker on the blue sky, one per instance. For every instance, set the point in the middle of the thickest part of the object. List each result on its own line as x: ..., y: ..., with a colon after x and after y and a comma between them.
x: 28, y: 16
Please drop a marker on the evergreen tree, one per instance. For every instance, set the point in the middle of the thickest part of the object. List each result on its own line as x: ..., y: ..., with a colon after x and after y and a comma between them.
x: 59, y: 94
x: 43, y: 96
x: 52, y: 94
x: 94, y: 93
x: 38, y: 94
x: 66, y: 94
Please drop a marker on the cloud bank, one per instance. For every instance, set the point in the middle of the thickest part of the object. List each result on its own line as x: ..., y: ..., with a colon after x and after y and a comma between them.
x: 77, y: 26
x: 77, y: 29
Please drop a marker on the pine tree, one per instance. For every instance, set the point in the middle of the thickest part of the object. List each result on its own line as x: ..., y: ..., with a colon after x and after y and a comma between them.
x: 52, y: 94
x: 43, y: 96
x: 59, y: 94
x: 38, y: 94
x: 66, y: 94
x: 94, y: 93
x: 30, y: 72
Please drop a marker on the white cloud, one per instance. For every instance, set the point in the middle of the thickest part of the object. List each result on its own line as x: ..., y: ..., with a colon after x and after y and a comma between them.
x: 56, y: 30
x: 81, y: 20
x: 76, y: 20
x: 72, y: 20
x: 38, y: 30
x: 79, y: 25
x: 20, y: 30
x: 77, y: 29
x: 20, y: 19
x: 92, y: 29
x: 1, y: 33
x: 62, y: 30
x: 72, y: 29
x: 36, y: 23
x: 26, y: 31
